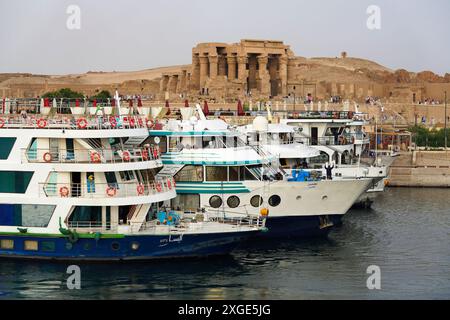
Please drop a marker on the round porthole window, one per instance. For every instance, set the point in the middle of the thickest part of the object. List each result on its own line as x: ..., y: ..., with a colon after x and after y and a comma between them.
x: 274, y: 200
x: 324, y: 197
x: 215, y: 201
x: 115, y: 246
x: 256, y: 201
x: 299, y: 198
x: 233, y: 202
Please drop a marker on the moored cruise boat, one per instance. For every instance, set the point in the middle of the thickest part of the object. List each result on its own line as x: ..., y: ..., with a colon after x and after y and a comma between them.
x: 215, y: 170
x: 84, y: 187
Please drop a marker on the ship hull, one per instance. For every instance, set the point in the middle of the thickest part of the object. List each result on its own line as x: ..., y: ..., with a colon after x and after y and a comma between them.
x: 121, y: 248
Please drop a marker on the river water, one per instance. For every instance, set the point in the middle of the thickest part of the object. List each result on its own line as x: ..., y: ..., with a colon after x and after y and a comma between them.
x: 406, y: 234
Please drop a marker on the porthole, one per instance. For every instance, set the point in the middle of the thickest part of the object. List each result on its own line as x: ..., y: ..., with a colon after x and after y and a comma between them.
x: 324, y: 197
x: 69, y: 246
x: 233, y: 202
x: 135, y: 246
x: 274, y: 200
x: 115, y: 246
x: 256, y: 201
x: 215, y: 201
x: 299, y: 198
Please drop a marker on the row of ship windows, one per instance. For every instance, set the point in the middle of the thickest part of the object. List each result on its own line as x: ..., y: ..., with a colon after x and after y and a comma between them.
x: 49, y: 246
x: 234, y: 201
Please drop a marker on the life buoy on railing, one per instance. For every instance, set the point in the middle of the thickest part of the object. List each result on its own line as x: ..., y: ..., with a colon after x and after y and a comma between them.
x: 111, y: 191
x: 126, y: 156
x: 158, y: 187
x: 95, y: 157
x: 113, y: 122
x: 169, y: 184
x: 264, y: 212
x: 2, y: 123
x: 149, y: 123
x: 41, y: 123
x: 140, y: 189
x: 47, y: 157
x: 64, y: 192
x: 82, y: 123
x: 145, y: 154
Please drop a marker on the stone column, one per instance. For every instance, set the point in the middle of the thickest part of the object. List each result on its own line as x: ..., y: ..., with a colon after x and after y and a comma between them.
x: 213, y: 67
x: 203, y: 70
x: 283, y: 65
x: 263, y: 75
x: 231, y: 60
x: 195, y: 78
x: 242, y: 67
x: 222, y: 65
x: 183, y: 82
x: 163, y: 83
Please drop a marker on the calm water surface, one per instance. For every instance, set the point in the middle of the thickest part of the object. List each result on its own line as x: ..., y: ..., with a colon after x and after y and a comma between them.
x: 407, y: 234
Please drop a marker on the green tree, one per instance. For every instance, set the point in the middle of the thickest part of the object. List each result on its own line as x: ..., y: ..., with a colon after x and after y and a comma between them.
x: 102, y: 95
x: 63, y: 93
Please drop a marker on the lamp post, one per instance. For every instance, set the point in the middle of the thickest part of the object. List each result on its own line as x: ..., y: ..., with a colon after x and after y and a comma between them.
x: 294, y: 98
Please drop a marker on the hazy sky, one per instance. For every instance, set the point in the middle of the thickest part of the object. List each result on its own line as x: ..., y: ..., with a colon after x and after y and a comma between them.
x: 132, y: 35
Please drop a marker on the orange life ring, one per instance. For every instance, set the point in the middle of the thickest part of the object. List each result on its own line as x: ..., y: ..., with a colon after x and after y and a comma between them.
x: 47, y: 157
x: 149, y: 123
x: 140, y: 189
x: 113, y: 122
x: 2, y: 123
x: 82, y: 123
x: 95, y: 157
x: 64, y: 192
x: 158, y: 187
x: 126, y: 156
x: 111, y: 192
x: 41, y: 123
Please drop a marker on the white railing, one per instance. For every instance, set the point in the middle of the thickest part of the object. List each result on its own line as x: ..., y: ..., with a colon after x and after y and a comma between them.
x: 71, y: 122
x: 90, y: 156
x: 91, y: 190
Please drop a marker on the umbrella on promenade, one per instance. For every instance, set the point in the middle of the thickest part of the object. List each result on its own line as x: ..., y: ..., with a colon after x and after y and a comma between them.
x: 186, y: 103
x: 240, y: 110
x: 206, y: 108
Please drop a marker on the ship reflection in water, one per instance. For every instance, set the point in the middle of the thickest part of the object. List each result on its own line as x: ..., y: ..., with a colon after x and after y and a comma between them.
x: 406, y: 234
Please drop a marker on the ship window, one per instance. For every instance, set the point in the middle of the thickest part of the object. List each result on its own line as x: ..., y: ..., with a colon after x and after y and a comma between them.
x: 111, y: 179
x: 25, y: 215
x: 126, y: 175
x: 216, y: 174
x: 115, y: 246
x: 15, y: 181
x: 234, y: 174
x: 190, y: 174
x: 30, y: 245
x: 256, y: 201
x: 7, y: 244
x: 186, y: 202
x: 215, y: 201
x: 6, y: 145
x: 48, y: 246
x: 233, y: 201
x: 274, y: 200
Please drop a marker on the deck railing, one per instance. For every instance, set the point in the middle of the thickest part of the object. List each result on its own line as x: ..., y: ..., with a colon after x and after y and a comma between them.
x: 72, y: 122
x: 100, y: 156
x: 105, y: 190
